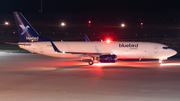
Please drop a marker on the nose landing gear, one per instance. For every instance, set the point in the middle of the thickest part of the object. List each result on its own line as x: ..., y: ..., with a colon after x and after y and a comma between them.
x: 160, y: 61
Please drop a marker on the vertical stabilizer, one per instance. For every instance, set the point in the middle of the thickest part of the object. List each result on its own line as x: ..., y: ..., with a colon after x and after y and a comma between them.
x: 26, y: 31
x: 86, y: 38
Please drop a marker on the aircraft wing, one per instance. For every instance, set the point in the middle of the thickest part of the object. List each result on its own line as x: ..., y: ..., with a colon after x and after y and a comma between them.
x: 80, y: 53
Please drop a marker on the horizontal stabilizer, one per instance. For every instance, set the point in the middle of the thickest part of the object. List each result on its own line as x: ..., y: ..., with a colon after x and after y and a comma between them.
x: 18, y: 43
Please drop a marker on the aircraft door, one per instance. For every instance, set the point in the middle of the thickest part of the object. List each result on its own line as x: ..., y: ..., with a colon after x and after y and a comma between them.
x: 155, y: 49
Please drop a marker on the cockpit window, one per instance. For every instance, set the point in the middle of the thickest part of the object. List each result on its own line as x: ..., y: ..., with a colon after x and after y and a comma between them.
x: 166, y: 47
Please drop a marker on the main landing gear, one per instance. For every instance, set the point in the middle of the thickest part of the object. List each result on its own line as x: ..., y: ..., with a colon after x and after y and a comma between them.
x: 91, y: 62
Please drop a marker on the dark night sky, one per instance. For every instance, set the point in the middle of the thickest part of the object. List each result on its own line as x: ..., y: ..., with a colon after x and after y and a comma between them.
x: 83, y: 6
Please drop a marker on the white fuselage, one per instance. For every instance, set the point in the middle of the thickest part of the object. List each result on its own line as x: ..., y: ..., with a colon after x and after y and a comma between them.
x: 123, y: 50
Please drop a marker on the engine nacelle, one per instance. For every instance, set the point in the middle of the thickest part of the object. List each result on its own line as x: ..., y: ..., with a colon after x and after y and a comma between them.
x: 108, y: 58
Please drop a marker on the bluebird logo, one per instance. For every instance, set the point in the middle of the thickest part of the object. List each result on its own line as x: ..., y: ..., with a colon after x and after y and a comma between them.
x: 24, y: 28
x: 132, y: 46
x: 30, y: 38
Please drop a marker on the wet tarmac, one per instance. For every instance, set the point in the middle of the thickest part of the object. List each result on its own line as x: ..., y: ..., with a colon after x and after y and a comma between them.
x: 33, y: 77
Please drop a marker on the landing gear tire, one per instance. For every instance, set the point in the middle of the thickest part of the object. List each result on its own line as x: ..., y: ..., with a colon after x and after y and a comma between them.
x: 91, y: 62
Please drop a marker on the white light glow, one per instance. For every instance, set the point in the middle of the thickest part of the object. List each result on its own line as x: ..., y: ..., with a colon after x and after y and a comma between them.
x: 160, y: 61
x: 63, y: 24
x: 6, y: 23
x: 170, y: 64
x: 122, y: 25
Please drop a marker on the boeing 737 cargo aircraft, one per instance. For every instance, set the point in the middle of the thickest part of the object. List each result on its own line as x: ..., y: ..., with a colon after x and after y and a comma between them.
x: 101, y: 51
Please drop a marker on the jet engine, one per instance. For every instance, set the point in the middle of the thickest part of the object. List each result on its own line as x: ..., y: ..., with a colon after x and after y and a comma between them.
x: 107, y: 58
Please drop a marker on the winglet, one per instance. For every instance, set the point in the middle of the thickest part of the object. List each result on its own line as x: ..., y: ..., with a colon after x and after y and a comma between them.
x: 86, y: 38
x: 55, y: 48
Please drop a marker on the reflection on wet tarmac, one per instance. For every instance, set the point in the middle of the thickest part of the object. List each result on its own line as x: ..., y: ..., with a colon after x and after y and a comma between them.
x: 36, y: 77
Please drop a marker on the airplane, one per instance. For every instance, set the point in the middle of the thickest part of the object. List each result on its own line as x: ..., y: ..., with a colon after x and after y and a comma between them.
x: 103, y: 52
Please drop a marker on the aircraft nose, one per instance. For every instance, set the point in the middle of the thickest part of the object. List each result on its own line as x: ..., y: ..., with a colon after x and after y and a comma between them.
x: 173, y: 52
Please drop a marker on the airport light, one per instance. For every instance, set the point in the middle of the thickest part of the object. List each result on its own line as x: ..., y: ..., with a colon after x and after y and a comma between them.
x: 63, y: 24
x: 6, y: 23
x: 141, y: 23
x: 122, y: 25
x: 89, y: 21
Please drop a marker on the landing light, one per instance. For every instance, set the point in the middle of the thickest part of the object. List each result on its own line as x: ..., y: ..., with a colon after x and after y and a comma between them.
x: 170, y: 64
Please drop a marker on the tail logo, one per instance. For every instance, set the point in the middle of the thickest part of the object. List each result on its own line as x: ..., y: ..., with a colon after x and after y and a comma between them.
x: 24, y: 28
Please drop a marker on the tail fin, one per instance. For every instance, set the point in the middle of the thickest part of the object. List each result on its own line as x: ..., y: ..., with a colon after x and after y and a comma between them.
x: 86, y: 38
x: 26, y: 31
